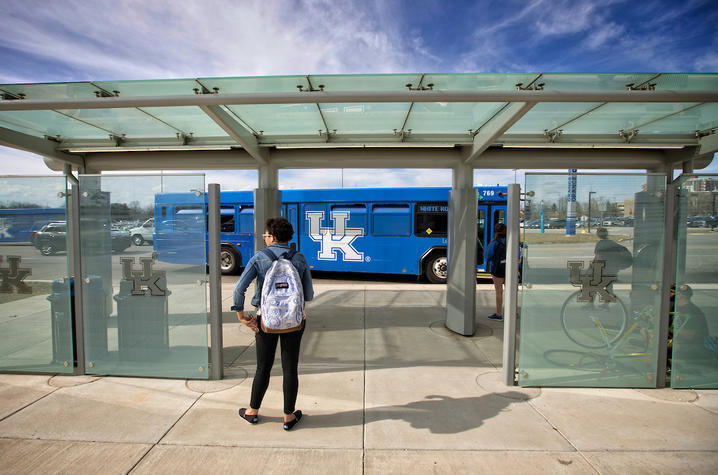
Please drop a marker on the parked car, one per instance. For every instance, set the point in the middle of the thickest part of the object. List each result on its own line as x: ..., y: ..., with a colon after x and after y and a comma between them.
x: 555, y: 223
x: 144, y: 233
x: 52, y: 238
x: 533, y: 223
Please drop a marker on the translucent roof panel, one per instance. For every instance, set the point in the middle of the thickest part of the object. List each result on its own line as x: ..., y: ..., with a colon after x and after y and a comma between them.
x: 477, y: 82
x: 450, y: 117
x: 164, y: 87
x: 189, y: 120
x: 548, y: 116
x: 593, y: 82
x: 42, y: 123
x: 699, y: 118
x: 130, y: 122
x: 610, y: 118
x: 69, y: 90
x: 374, y: 118
x: 281, y: 119
x: 444, y: 123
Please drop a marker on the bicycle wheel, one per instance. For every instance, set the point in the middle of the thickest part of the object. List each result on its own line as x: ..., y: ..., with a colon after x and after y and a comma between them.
x: 593, y: 325
x: 580, y: 360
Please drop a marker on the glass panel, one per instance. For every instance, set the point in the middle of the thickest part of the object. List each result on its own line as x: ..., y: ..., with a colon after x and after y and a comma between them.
x: 255, y: 84
x: 190, y: 120
x: 131, y: 122
x: 364, y: 82
x: 281, y: 119
x: 694, y: 323
x: 590, y: 302
x: 36, y: 332
x: 449, y: 117
x: 478, y: 82
x: 548, y: 116
x: 144, y: 305
x: 59, y: 90
x: 688, y: 121
x: 161, y: 87
x: 611, y: 118
x: 381, y: 118
x: 592, y: 81
x: 41, y: 123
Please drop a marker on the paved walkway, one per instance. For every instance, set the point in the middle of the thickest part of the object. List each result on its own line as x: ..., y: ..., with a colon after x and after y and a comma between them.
x: 385, y: 389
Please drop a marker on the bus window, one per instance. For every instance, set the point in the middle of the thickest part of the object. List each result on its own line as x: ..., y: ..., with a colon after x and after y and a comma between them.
x: 391, y: 220
x: 499, y: 216
x: 480, y: 236
x: 356, y: 213
x: 226, y: 224
x: 164, y: 211
x: 189, y: 218
x: 246, y: 219
x: 431, y: 219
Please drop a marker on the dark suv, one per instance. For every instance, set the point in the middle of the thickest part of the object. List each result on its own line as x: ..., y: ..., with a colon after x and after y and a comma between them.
x: 52, y: 238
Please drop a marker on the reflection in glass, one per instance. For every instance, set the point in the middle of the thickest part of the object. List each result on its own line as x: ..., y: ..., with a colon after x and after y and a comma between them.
x: 590, y: 301
x: 694, y: 321
x: 36, y: 331
x: 145, y: 312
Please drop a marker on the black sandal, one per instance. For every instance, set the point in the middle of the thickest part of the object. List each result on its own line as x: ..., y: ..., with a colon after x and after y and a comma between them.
x: 293, y: 422
x: 251, y: 418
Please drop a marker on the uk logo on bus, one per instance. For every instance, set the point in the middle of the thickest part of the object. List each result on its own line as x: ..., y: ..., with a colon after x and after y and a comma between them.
x: 338, y: 238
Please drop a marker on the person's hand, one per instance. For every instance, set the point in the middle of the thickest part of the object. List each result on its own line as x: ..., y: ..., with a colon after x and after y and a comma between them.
x: 249, y: 321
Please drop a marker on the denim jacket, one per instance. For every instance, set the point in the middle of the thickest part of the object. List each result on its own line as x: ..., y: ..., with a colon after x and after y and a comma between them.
x: 259, y: 265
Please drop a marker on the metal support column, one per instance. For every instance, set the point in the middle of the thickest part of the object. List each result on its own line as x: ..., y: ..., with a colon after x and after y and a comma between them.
x: 668, y: 279
x: 267, y: 202
x: 461, y: 258
x: 215, y: 283
x: 73, y: 227
x: 512, y: 281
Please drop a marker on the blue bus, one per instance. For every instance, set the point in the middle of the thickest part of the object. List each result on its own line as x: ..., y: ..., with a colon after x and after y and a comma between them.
x: 20, y: 224
x: 371, y: 230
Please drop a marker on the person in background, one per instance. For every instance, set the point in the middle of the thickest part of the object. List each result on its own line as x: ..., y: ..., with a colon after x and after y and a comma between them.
x: 496, y: 259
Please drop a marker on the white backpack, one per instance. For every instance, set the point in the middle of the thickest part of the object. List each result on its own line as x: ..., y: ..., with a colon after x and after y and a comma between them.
x: 282, y: 303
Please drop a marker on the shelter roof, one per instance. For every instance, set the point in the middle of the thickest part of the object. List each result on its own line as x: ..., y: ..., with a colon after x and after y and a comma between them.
x: 621, y: 110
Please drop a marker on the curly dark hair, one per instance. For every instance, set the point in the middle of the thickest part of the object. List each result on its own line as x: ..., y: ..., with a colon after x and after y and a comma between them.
x: 280, y: 228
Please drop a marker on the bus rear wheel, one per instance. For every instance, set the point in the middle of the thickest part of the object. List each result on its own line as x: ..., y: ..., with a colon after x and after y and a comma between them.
x: 436, y: 269
x: 228, y: 260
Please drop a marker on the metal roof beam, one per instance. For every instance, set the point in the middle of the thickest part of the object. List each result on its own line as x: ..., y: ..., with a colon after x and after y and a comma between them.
x: 496, y: 127
x: 46, y: 148
x: 237, y: 131
x: 361, y: 96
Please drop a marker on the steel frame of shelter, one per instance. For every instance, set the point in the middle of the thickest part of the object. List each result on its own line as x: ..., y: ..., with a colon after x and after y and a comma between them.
x: 486, y: 147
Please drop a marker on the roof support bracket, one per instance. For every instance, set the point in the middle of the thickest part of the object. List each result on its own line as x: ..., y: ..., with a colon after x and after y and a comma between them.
x: 495, y: 128
x: 628, y: 135
x: 237, y: 131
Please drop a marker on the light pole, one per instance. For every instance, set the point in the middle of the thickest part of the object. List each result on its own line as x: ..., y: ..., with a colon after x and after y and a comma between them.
x: 589, y: 210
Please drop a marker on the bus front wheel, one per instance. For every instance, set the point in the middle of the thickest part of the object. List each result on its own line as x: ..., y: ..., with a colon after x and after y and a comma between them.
x: 228, y: 260
x: 436, y: 269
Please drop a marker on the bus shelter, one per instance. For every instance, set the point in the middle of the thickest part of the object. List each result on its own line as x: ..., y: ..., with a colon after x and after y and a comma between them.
x: 649, y: 122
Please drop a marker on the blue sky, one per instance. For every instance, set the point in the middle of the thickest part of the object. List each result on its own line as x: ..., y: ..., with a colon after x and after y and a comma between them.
x: 104, y: 40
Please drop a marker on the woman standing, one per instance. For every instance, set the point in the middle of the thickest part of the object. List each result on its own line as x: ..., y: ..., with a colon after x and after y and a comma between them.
x: 496, y: 258
x: 278, y: 232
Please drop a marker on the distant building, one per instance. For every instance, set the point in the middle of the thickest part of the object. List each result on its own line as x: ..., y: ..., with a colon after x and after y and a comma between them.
x: 629, y: 207
x: 702, y: 184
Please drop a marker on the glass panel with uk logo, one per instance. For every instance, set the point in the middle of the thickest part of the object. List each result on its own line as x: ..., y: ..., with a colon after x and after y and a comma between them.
x: 144, y: 302
x: 35, y: 286
x: 590, y: 308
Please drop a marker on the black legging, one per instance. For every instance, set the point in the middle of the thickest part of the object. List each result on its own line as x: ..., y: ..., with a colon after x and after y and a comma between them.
x: 266, y: 344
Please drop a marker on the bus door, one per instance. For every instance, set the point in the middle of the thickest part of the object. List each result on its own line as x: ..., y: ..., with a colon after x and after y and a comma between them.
x: 482, y: 237
x: 291, y: 212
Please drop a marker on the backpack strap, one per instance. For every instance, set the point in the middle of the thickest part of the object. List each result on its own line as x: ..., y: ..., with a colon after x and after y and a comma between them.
x: 289, y: 255
x: 269, y: 254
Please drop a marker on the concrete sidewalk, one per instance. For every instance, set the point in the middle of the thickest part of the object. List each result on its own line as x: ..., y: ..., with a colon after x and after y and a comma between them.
x: 385, y: 389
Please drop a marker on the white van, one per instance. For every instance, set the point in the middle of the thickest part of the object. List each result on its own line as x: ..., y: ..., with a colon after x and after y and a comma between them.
x: 143, y: 233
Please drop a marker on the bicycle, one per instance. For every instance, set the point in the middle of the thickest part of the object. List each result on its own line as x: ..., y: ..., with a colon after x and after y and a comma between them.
x: 603, y: 327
